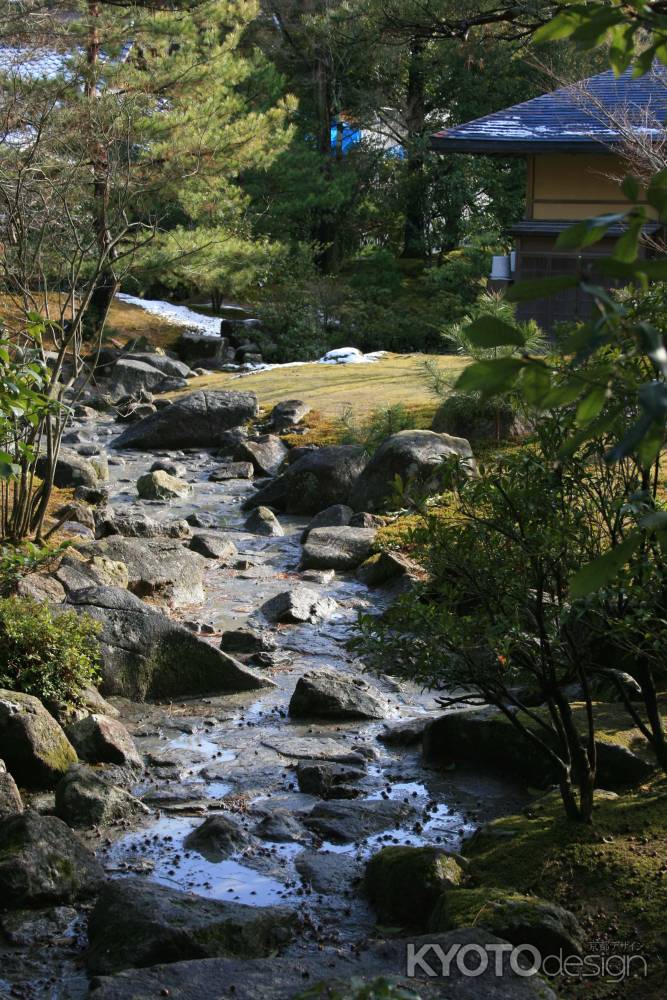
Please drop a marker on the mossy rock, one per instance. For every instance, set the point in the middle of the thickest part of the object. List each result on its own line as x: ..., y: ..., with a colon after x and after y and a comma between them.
x: 486, y: 737
x: 405, y: 883
x: 471, y: 418
x: 517, y: 918
x: 32, y: 744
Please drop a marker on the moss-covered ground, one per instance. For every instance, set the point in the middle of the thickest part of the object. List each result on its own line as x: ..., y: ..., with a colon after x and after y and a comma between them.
x: 612, y: 875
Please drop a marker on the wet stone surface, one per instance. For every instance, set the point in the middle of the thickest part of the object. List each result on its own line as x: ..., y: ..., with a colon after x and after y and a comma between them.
x: 237, y: 755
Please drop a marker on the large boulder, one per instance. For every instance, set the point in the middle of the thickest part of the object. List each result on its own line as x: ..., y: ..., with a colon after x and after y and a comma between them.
x: 10, y: 797
x: 164, y: 364
x: 130, y: 375
x: 32, y: 744
x: 494, y: 419
x: 267, y: 453
x: 328, y: 780
x: 42, y: 862
x: 196, y: 420
x: 85, y: 799
x: 41, y: 588
x: 159, y: 485
x: 337, y: 548
x: 318, y: 478
x: 487, y: 737
x: 415, y: 457
x: 329, y: 694
x: 343, y: 972
x: 136, y: 923
x: 405, y: 883
x: 101, y: 740
x: 146, y: 655
x: 159, y: 569
x: 293, y: 607
x: 71, y: 470
x: 515, y: 918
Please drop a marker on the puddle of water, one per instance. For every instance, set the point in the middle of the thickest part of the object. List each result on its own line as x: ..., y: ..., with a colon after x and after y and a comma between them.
x: 161, y: 845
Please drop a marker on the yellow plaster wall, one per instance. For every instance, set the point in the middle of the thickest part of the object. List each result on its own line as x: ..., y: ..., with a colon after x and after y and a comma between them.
x: 574, y: 186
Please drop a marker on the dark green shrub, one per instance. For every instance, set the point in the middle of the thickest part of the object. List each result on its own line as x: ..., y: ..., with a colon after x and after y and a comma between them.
x: 17, y: 561
x: 50, y: 655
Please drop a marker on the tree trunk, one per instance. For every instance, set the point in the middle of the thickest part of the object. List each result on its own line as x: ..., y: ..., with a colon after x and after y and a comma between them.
x: 326, y: 228
x: 414, y: 238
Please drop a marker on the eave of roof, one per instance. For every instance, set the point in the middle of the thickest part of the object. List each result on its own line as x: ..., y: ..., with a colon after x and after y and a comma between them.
x: 578, y: 119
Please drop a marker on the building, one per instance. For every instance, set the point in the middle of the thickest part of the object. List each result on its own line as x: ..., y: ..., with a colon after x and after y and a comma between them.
x: 573, y: 140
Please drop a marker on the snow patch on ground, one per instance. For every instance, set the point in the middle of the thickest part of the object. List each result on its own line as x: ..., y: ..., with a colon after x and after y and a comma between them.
x: 180, y: 315
x: 209, y: 326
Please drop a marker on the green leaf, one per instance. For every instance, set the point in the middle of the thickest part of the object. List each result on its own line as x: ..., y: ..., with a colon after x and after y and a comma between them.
x: 627, y: 246
x: 490, y: 377
x: 540, y: 288
x: 653, y: 398
x: 630, y: 186
x: 536, y: 384
x: 561, y: 26
x: 487, y: 331
x: 651, y: 444
x: 591, y: 405
x: 655, y: 521
x: 604, y: 569
x: 588, y: 231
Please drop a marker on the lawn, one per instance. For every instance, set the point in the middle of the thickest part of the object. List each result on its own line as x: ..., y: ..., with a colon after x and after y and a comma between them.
x: 334, y: 389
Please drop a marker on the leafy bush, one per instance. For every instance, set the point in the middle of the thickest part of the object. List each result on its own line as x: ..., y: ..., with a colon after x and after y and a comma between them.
x: 50, y: 655
x: 498, y: 612
x: 380, y: 425
x: 17, y: 561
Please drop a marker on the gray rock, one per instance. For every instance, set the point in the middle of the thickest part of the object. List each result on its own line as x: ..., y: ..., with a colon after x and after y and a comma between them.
x: 172, y: 468
x: 345, y: 821
x: 85, y: 799
x: 80, y: 512
x: 75, y: 572
x: 363, y: 519
x: 281, y: 827
x: 263, y: 521
x: 159, y: 569
x: 288, y: 413
x: 194, y: 421
x: 267, y: 453
x: 386, y: 567
x: 338, y: 515
x: 486, y: 737
x: 317, y: 479
x: 42, y: 862
x: 404, y: 734
x: 327, y: 780
x: 404, y: 883
x: 217, y: 838
x: 101, y: 740
x: 321, y: 577
x: 298, y: 605
x: 71, y: 470
x: 342, y: 973
x: 164, y: 364
x: 337, y: 548
x: 213, y: 546
x: 416, y: 457
x: 111, y: 522
x: 229, y: 441
x: 32, y: 744
x: 28, y: 928
x: 329, y: 694
x: 232, y: 470
x: 161, y: 486
x: 202, y: 519
x: 328, y: 873
x: 41, y: 588
x: 136, y: 923
x: 247, y: 641
x: 10, y: 797
x: 146, y: 655
x: 130, y: 375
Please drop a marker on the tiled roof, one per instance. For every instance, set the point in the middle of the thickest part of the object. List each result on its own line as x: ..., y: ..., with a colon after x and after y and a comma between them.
x: 580, y: 118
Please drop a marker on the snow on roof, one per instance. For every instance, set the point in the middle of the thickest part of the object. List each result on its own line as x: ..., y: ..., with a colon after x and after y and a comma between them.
x: 579, y: 118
